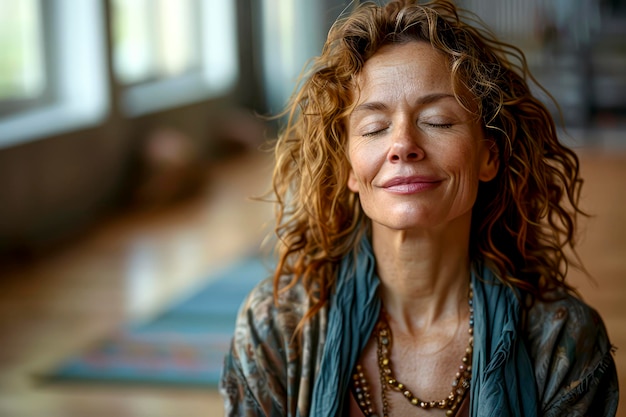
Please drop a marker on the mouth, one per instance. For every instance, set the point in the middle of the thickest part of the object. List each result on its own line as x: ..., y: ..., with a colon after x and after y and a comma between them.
x: 410, y: 185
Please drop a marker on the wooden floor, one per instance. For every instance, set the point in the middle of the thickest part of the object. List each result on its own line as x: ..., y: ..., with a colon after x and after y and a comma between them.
x: 129, y: 266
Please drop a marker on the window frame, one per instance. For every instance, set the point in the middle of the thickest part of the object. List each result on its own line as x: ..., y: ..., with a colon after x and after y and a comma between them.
x: 78, y: 95
x: 9, y: 106
x: 83, y: 92
x: 217, y: 75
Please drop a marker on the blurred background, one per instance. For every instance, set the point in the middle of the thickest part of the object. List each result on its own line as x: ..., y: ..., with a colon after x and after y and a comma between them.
x: 129, y: 148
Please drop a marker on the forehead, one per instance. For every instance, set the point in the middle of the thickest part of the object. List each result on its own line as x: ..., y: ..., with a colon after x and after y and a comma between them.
x: 408, y: 71
x: 415, y: 65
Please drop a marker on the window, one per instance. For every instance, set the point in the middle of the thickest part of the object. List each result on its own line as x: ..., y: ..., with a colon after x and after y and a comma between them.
x: 54, y: 74
x: 68, y: 69
x: 155, y: 39
x: 172, y: 52
x: 22, y: 62
x: 292, y: 34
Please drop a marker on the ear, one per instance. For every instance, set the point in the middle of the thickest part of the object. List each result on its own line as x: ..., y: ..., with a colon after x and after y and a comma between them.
x: 490, y: 161
x: 353, y: 183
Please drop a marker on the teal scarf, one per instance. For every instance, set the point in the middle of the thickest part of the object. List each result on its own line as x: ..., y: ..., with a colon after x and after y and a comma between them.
x: 503, y: 382
x: 352, y: 315
x: 503, y: 378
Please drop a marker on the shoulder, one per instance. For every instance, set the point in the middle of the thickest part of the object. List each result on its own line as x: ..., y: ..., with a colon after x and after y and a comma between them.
x: 572, y: 355
x: 264, y: 315
x: 566, y: 317
x: 256, y: 373
x: 265, y: 326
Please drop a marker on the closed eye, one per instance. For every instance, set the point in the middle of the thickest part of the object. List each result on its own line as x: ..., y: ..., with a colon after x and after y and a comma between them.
x: 375, y: 130
x: 440, y: 125
x: 373, y: 133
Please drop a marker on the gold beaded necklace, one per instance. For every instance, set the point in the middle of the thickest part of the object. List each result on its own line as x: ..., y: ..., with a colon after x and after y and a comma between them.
x: 460, y: 385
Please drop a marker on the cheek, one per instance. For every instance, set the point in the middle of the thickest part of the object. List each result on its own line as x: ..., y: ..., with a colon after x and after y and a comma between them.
x: 361, y: 173
x: 353, y: 183
x: 464, y: 164
x: 360, y: 167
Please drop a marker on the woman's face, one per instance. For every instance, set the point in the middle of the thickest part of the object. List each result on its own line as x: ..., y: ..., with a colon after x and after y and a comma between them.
x: 416, y: 155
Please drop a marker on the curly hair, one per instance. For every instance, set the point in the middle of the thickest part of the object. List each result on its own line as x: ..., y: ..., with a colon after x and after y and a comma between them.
x: 523, y: 221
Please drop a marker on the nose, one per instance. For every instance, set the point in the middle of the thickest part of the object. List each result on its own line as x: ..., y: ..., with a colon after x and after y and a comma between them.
x: 406, y: 146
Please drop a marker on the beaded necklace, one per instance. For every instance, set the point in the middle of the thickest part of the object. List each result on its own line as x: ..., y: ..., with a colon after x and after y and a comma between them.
x: 460, y: 385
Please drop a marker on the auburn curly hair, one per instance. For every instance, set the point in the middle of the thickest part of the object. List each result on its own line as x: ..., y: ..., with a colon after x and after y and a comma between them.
x: 523, y: 221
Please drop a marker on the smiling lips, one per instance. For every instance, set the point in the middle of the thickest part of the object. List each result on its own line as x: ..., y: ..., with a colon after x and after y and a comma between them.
x: 410, y: 185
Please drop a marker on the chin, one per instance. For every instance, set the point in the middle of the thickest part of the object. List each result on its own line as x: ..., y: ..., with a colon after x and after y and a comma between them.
x: 405, y: 224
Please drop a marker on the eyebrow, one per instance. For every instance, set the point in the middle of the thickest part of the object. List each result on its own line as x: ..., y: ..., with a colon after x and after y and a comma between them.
x: 378, y: 106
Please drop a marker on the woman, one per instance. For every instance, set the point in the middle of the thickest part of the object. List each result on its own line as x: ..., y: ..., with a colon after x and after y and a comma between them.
x: 424, y: 210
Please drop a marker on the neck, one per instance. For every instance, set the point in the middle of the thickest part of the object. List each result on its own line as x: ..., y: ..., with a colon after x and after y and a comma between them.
x: 424, y: 275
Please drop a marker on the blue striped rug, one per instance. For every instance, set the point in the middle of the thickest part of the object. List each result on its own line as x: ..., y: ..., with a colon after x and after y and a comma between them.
x: 184, y: 345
